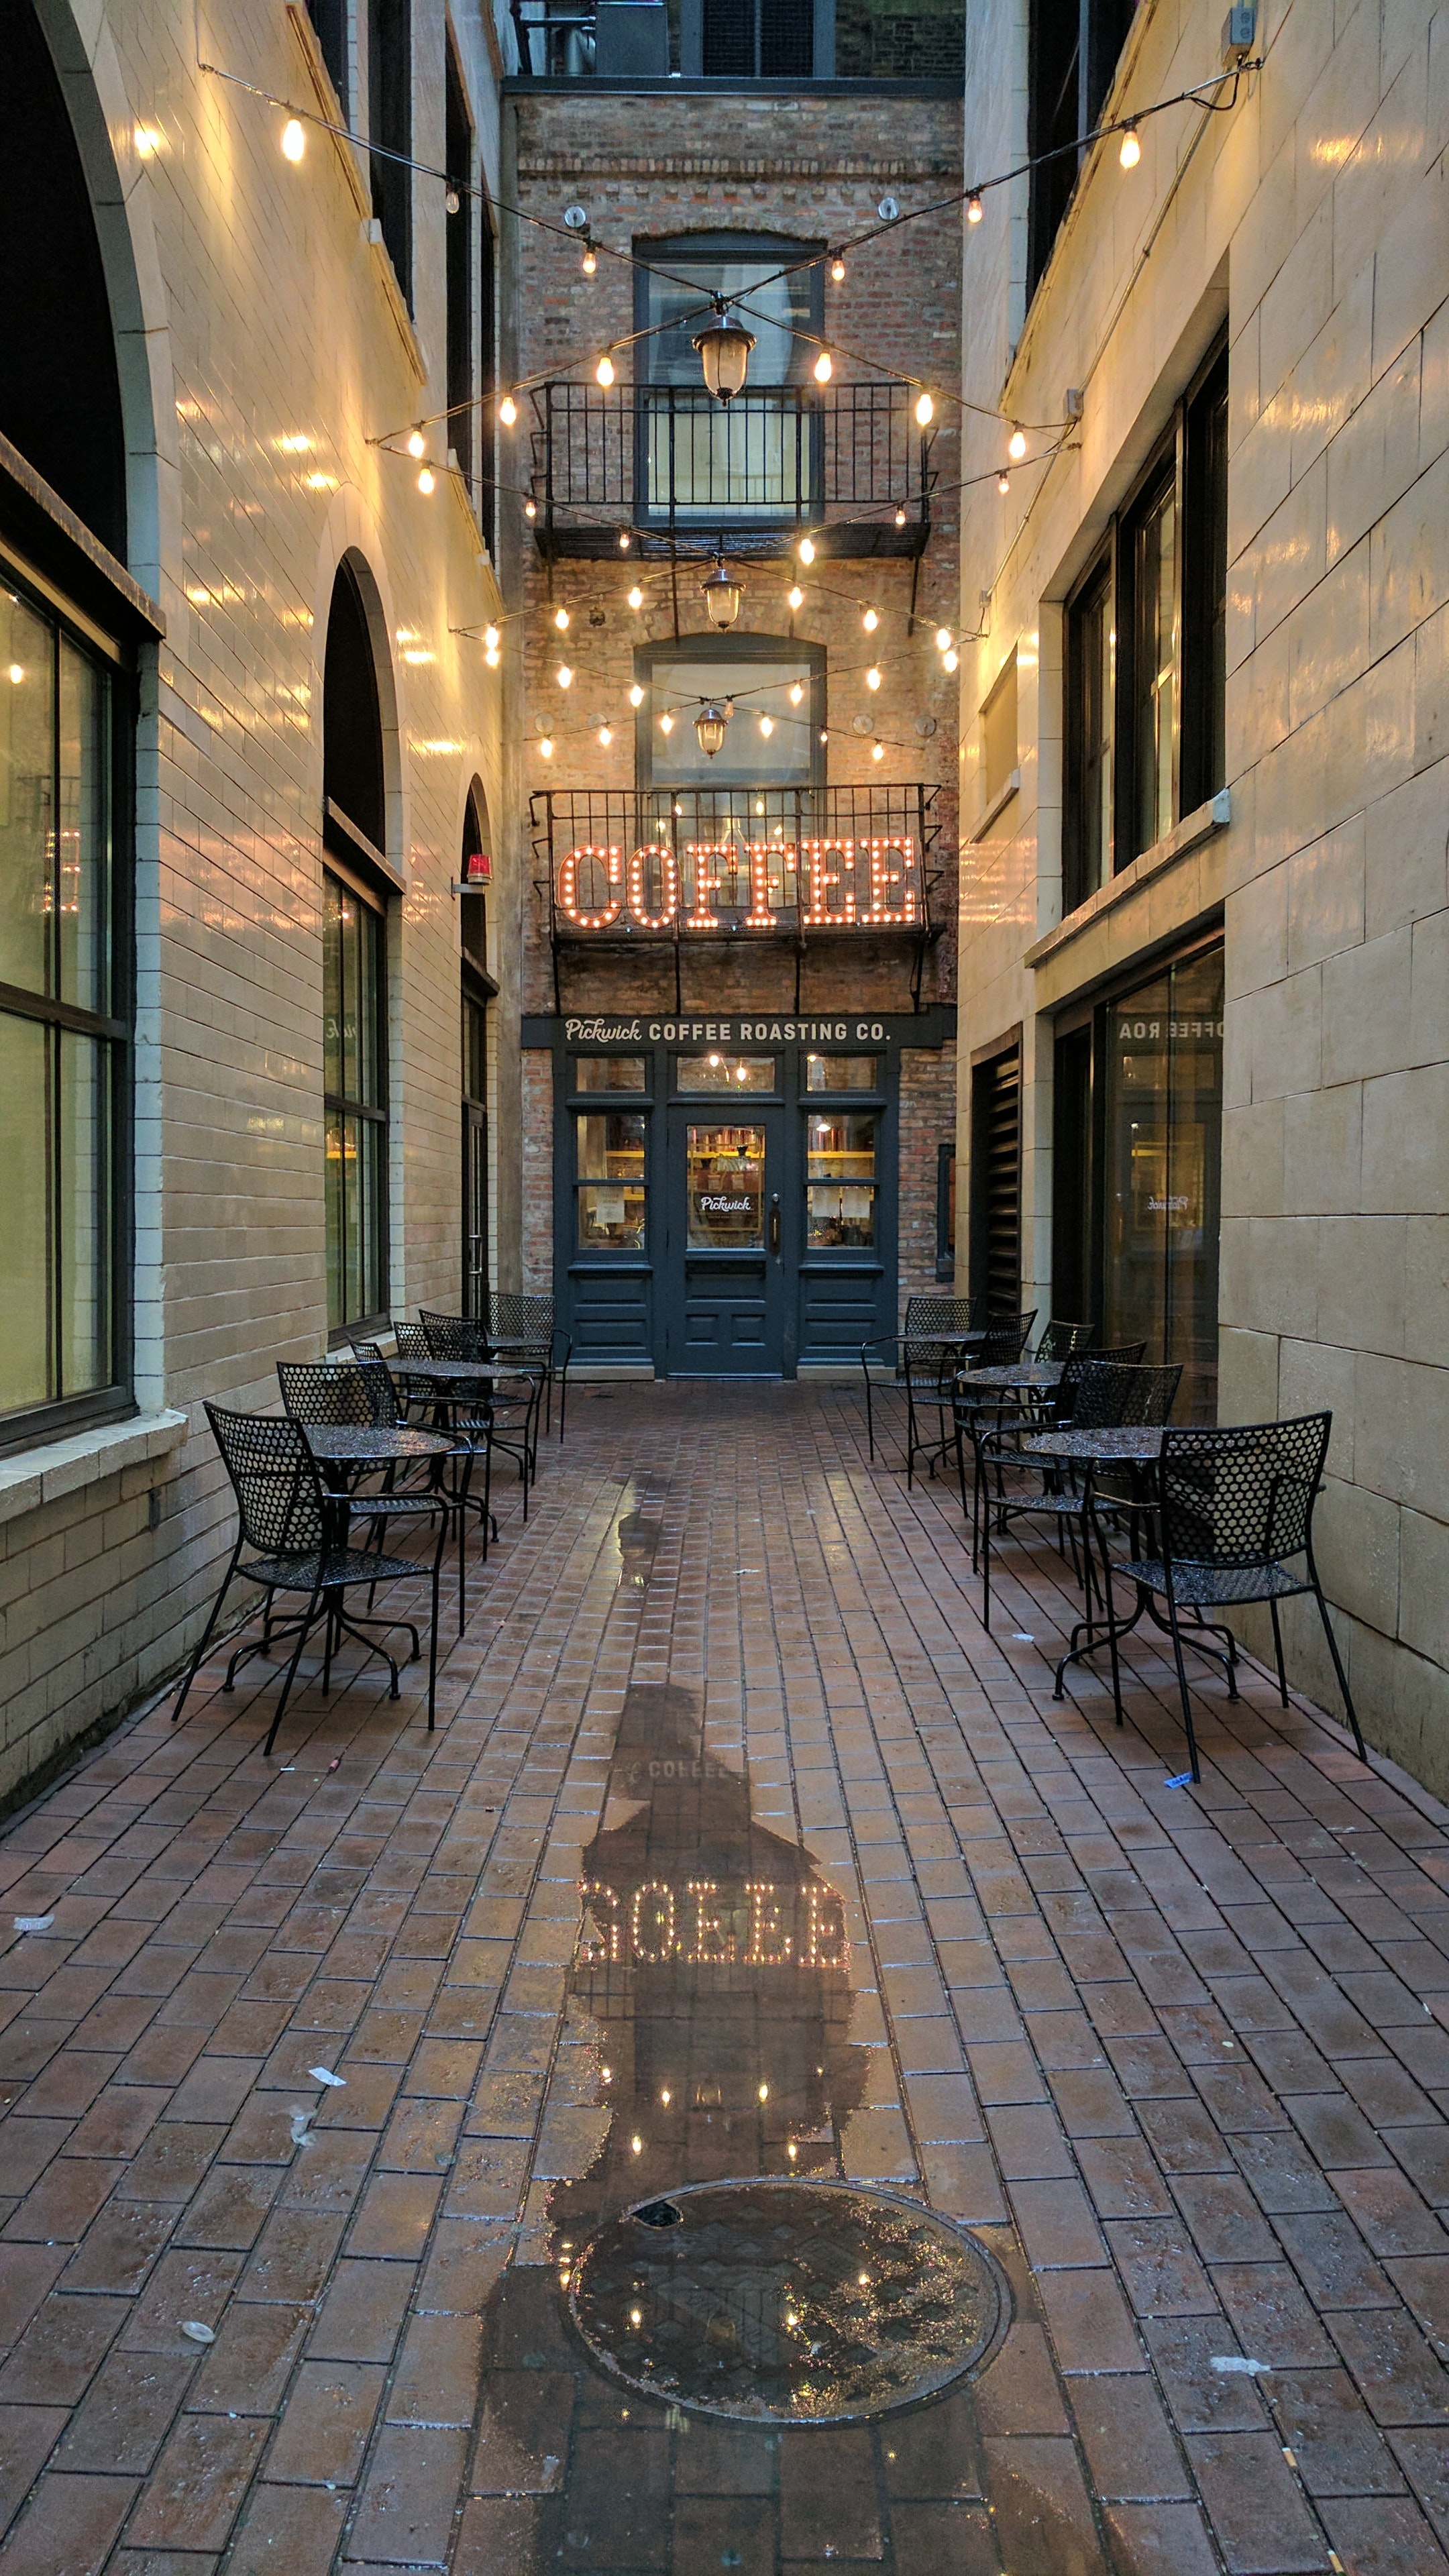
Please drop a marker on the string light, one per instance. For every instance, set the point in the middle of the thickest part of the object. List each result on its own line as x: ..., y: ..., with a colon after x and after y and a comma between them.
x: 796, y: 693
x: 1016, y: 444
x: 427, y: 481
x: 508, y: 411
x: 951, y: 661
x: 606, y: 735
x: 872, y: 678
x: 565, y: 676
x: 561, y: 620
x: 974, y: 207
x: 636, y: 597
x: 925, y: 409
x: 767, y: 726
x: 871, y: 620
x: 1003, y: 482
x: 545, y: 747
x: 824, y: 368
x: 452, y: 202
x: 294, y: 141
x: 605, y: 369
x: 900, y: 515
x: 590, y: 261
x: 796, y: 597
x: 636, y: 696
x: 1131, y: 152
x: 666, y: 722
x: 878, y: 751
x: 943, y: 638
x: 490, y: 638
x: 417, y: 444
x: 806, y: 550
x: 530, y: 509
x: 492, y: 657
x: 624, y: 541
x: 837, y: 269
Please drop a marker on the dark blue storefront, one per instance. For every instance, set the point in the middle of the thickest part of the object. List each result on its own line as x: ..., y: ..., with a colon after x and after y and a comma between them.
x: 726, y: 1187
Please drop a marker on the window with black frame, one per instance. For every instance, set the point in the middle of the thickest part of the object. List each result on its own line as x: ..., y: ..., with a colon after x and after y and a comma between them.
x: 1146, y: 659
x: 1072, y: 53
x: 354, y: 943
x: 759, y: 456
x: 63, y: 1036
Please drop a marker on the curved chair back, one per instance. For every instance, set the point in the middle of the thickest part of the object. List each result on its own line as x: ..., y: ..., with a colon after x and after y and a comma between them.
x: 1242, y: 1496
x: 454, y: 1337
x: 528, y: 1319
x: 1075, y: 1369
x: 412, y: 1342
x: 928, y: 1316
x: 326, y: 1397
x: 274, y: 1478
x: 382, y: 1394
x: 1059, y: 1340
x: 1111, y: 1397
x: 1006, y: 1338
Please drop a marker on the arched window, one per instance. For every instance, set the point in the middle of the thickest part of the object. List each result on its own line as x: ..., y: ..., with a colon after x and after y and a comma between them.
x: 354, y: 966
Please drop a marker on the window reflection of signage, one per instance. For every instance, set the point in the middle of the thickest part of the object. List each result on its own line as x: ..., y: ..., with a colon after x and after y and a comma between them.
x: 712, y: 1923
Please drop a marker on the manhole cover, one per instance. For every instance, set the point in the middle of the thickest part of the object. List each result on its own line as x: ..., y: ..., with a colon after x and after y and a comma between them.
x: 787, y: 2302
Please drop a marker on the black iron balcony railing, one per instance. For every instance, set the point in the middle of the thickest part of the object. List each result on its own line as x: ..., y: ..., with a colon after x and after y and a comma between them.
x: 847, y: 461
x: 725, y: 862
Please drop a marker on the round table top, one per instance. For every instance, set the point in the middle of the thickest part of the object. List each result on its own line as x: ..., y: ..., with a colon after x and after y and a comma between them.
x: 359, y: 1443
x: 1127, y: 1444
x: 1039, y: 1373
x: 455, y: 1372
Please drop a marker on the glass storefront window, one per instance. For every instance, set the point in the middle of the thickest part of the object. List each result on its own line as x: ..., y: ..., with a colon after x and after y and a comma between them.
x: 840, y: 1073
x: 609, y: 1146
x: 1162, y: 1140
x: 725, y: 1188
x: 694, y: 1073
x: 840, y: 1180
x: 609, y: 1073
x: 354, y: 1081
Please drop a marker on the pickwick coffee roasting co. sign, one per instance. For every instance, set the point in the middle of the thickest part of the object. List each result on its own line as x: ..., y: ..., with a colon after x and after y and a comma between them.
x: 732, y: 1031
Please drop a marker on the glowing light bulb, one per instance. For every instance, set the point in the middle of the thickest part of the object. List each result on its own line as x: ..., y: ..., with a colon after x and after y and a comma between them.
x: 294, y: 141
x: 636, y: 2315
x: 871, y: 620
x: 925, y: 409
x: 508, y: 411
x: 16, y: 674
x: 796, y: 597
x: 764, y: 2092
x: 605, y: 369
x: 1131, y: 152
x: 490, y: 638
x: 824, y: 736
x: 452, y: 201
x: 796, y: 693
x: 767, y: 726
x: 530, y: 509
x: 636, y: 2146
x: 877, y: 751
x: 427, y: 480
x: 807, y: 550
x: 636, y: 597
x: 1016, y: 445
x: 824, y: 368
x: 636, y: 696
x: 666, y: 722
x: 545, y: 747
x: 606, y: 736
x: 589, y: 262
x: 493, y: 657
x: 837, y: 269
x: 417, y: 444
x: 973, y: 207
x: 790, y: 2317
x: 1003, y: 481
x: 872, y: 678
x: 561, y: 620
x: 951, y: 661
x: 664, y: 2096
x: 792, y: 2151
x: 900, y: 517
x: 624, y: 541
x: 565, y: 676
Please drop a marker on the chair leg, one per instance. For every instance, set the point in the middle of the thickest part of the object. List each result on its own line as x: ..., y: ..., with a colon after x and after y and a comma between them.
x: 1183, y: 1689
x: 433, y: 1631
x: 329, y: 1639
x: 869, y: 1418
x: 194, y: 1666
x: 1107, y: 1609
x: 1278, y: 1652
x: 304, y: 1625
x: 1337, y: 1661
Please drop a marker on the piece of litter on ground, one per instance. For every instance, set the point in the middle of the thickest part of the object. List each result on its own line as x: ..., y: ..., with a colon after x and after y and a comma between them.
x: 1235, y: 2365
x: 289, y: 1766
x: 1178, y: 1780
x: 1022, y: 1637
x: 33, y: 1922
x: 197, y: 2331
x: 337, y: 1765
x: 301, y: 2123
x: 324, y: 2075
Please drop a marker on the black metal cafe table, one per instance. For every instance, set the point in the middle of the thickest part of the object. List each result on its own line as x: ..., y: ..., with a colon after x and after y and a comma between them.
x: 343, y: 1451
x: 1137, y: 1448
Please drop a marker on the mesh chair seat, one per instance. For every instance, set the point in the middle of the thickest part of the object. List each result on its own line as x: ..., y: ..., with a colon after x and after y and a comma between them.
x: 1218, y: 1586
x: 339, y: 1565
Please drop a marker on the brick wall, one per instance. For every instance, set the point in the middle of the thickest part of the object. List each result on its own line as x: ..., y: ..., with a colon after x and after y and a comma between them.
x: 927, y: 1122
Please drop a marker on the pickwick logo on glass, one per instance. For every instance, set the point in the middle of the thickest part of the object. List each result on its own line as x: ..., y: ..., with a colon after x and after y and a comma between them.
x: 837, y: 884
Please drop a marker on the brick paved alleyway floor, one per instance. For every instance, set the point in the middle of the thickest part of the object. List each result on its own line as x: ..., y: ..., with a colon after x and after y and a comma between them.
x: 862, y: 1901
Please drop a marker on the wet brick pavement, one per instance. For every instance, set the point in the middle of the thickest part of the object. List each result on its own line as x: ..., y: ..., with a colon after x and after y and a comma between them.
x: 860, y: 1900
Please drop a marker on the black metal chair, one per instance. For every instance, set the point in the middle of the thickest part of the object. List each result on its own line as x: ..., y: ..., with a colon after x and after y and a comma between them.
x: 1060, y: 1341
x: 1099, y: 1392
x: 1234, y: 1515
x: 290, y: 1526
x: 1003, y: 1342
x: 530, y: 1320
x: 996, y: 1442
x: 944, y: 1320
x: 511, y: 1420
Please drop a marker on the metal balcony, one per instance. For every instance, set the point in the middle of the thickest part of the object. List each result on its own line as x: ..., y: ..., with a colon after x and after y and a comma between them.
x: 848, y: 462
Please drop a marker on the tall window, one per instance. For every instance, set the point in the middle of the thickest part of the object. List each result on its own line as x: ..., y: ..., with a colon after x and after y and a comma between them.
x: 354, y: 1074
x: 390, y: 129
x: 329, y: 23
x: 487, y: 416
x: 1072, y: 56
x: 63, y: 1071
x: 1146, y: 654
x: 759, y: 39
x: 460, y: 270
x: 761, y: 457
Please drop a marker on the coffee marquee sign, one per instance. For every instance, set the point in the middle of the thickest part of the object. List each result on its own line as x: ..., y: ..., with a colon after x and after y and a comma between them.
x: 840, y: 884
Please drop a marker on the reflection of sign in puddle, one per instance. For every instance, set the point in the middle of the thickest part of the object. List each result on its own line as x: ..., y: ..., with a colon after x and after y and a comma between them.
x: 787, y: 2302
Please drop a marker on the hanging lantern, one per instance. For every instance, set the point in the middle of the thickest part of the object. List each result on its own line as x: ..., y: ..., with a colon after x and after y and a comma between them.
x: 709, y: 726
x: 723, y: 348
x: 722, y: 593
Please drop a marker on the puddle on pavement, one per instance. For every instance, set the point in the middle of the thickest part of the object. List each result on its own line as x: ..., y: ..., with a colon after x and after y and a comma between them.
x: 767, y: 2375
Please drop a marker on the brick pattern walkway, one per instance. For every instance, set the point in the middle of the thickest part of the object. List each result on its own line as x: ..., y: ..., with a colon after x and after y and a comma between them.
x: 1181, y: 2056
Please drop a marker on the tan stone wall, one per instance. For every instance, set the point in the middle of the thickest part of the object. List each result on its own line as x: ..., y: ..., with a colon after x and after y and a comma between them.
x: 1312, y: 218
x: 276, y: 354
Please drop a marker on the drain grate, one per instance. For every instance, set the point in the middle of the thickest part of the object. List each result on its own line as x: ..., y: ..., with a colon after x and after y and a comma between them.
x: 787, y: 2302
